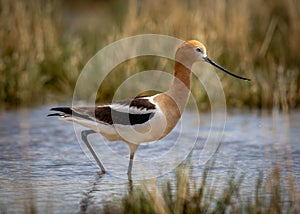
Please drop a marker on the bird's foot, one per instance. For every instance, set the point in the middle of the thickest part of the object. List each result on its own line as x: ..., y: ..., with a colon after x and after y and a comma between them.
x: 101, y: 172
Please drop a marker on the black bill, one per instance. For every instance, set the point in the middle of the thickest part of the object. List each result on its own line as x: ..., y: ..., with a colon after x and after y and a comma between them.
x: 223, y: 69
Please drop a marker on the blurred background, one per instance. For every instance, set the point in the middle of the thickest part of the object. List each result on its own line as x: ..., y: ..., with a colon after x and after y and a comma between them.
x: 45, y: 44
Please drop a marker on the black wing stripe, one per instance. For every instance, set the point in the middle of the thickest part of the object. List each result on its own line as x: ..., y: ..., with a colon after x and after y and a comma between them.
x: 69, y: 112
x: 105, y: 114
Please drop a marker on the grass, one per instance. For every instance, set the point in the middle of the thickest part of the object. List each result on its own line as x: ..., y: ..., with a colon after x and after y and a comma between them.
x: 47, y: 43
x: 187, y: 195
x: 36, y: 58
x: 274, y: 192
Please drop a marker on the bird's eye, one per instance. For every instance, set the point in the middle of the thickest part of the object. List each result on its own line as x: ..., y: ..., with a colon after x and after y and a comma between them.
x: 199, y: 50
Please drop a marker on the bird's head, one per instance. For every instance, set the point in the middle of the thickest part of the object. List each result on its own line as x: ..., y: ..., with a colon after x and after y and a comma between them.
x: 194, y: 51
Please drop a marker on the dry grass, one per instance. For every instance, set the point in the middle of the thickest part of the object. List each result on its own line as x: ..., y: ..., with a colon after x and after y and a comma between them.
x: 272, y: 194
x: 36, y: 59
x: 47, y: 44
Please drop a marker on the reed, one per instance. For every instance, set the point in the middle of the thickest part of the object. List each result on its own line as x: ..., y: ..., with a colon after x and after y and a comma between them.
x: 188, y: 195
x: 37, y: 59
x: 45, y: 47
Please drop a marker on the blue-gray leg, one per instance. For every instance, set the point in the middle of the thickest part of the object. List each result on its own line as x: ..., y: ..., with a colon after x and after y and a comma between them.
x: 84, y: 135
x: 133, y: 148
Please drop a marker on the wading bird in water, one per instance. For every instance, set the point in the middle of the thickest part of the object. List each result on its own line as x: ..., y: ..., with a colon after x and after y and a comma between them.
x: 142, y: 119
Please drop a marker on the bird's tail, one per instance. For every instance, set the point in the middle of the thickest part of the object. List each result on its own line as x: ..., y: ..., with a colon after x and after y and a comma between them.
x: 62, y: 112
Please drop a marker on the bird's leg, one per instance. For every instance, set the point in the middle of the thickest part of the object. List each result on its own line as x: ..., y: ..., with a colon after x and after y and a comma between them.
x: 130, y: 166
x: 84, y: 135
x: 133, y: 148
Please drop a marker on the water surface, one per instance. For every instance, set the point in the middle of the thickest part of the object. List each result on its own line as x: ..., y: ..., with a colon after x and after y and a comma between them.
x: 43, y: 163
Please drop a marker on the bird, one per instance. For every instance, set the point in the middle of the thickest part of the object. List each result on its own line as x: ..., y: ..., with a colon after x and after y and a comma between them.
x: 142, y: 119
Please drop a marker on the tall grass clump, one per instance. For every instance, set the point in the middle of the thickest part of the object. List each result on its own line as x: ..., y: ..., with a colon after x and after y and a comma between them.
x: 46, y: 43
x: 35, y: 59
x: 187, y: 195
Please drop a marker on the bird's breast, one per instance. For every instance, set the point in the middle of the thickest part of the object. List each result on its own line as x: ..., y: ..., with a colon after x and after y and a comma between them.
x: 169, y: 110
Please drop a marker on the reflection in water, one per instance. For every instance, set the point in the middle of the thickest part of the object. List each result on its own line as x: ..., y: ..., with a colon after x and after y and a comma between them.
x: 43, y: 166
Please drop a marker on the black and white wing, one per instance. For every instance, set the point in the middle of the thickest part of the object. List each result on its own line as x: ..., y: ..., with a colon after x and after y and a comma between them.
x: 127, y: 112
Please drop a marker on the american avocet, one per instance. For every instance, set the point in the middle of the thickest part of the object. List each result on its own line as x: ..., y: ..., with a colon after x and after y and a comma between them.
x: 142, y: 119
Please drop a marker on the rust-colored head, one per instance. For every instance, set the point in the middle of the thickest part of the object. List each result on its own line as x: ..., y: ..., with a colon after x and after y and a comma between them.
x: 190, y: 52
x: 194, y: 51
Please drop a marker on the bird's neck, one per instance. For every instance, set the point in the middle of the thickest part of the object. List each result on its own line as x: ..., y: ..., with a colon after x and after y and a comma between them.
x: 180, y: 89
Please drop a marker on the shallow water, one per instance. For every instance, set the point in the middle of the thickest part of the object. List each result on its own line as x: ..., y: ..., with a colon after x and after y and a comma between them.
x: 43, y: 163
